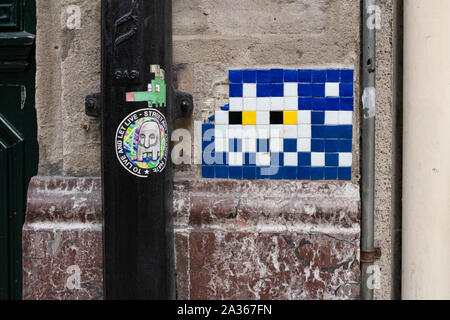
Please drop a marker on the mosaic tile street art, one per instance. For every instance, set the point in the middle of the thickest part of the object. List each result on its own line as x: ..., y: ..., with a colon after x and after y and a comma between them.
x: 282, y: 124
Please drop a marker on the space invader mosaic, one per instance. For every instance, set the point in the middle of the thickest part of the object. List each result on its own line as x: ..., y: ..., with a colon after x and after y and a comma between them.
x: 282, y: 124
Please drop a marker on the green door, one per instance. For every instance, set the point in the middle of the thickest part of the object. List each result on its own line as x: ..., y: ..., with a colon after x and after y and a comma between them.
x: 18, y: 130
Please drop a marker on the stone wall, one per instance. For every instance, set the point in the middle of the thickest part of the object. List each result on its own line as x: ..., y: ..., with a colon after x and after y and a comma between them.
x: 210, y: 37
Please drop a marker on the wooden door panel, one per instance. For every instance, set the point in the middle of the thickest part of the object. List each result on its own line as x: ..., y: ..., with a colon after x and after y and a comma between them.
x: 18, y: 135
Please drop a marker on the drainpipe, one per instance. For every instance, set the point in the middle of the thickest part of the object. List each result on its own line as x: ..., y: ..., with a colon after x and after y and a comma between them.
x: 426, y: 164
x: 368, y: 252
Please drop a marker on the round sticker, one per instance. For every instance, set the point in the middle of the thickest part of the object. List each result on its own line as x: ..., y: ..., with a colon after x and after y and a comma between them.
x: 142, y: 142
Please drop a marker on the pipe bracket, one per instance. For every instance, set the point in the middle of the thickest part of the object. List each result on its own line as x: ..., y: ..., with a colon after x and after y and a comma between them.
x: 93, y: 105
x: 184, y: 104
x: 370, y: 256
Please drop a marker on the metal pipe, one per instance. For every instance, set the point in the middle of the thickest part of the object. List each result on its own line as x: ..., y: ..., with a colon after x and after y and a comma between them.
x: 368, y: 146
x: 138, y: 106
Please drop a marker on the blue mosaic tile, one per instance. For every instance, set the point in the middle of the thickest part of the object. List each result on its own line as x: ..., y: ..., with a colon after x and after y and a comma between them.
x: 347, y: 104
x: 345, y: 145
x: 318, y: 90
x: 346, y: 89
x: 305, y: 103
x: 290, y: 145
x: 208, y: 158
x: 347, y: 76
x: 333, y: 75
x: 276, y: 173
x: 263, y: 76
x: 221, y: 158
x: 277, y: 159
x: 261, y: 173
x: 250, y: 159
x: 277, y: 90
x: 208, y: 172
x: 305, y: 90
x: 318, y: 132
x: 236, y: 172
x: 236, y: 90
x: 331, y: 160
x: 331, y: 173
x: 332, y: 145
x: 304, y: 173
x: 318, y: 103
x: 333, y: 104
x: 344, y: 173
x: 317, y: 145
x: 236, y: 76
x: 263, y: 90
x: 207, y: 131
x: 290, y: 76
x: 304, y: 76
x: 222, y: 172
x: 332, y: 132
x: 289, y: 173
x: 304, y: 159
x: 263, y: 145
x: 317, y: 173
x: 317, y: 117
x: 208, y: 145
x: 345, y: 132
x: 249, y: 76
x: 235, y: 145
x: 319, y: 76
x: 277, y: 75
x: 249, y: 173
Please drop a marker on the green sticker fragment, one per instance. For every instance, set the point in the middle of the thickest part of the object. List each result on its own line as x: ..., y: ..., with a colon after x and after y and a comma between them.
x: 156, y: 94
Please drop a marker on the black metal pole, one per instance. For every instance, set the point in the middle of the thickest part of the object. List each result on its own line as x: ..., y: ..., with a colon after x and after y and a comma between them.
x: 138, y: 106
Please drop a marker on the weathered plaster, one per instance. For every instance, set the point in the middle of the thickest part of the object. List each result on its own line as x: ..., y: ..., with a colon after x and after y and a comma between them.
x: 383, y: 159
x: 210, y: 38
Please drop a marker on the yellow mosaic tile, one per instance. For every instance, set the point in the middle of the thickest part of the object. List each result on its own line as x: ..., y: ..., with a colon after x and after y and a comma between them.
x: 290, y: 117
x: 249, y: 118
